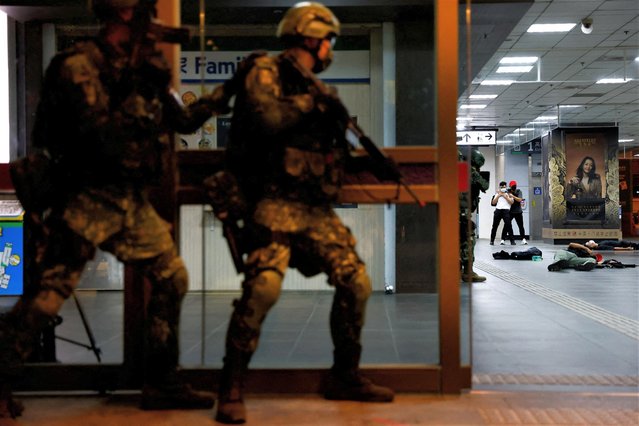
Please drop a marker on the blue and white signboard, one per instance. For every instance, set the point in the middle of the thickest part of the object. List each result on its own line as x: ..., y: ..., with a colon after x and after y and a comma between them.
x: 197, y: 72
x: 11, y: 249
x: 349, y: 66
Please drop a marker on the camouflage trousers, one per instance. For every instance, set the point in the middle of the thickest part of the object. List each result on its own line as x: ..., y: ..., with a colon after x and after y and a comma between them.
x: 313, y: 240
x: 466, y: 244
x: 122, y: 222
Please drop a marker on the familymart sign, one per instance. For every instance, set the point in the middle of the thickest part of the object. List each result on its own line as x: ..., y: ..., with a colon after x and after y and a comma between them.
x: 349, y: 66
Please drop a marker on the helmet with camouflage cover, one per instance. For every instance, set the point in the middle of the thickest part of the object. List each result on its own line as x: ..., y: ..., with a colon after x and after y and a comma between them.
x: 308, y: 19
x: 477, y: 159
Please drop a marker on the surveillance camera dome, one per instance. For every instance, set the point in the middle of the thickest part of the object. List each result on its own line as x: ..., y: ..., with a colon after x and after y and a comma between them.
x: 586, y: 25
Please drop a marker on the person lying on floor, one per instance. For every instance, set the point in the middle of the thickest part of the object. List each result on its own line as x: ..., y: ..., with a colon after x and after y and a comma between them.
x: 576, y: 256
x: 612, y: 245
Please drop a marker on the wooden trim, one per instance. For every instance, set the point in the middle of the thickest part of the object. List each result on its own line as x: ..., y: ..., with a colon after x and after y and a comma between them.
x: 410, y: 154
x: 378, y: 194
x: 401, y: 154
x: 467, y: 376
x: 446, y: 48
x: 110, y: 377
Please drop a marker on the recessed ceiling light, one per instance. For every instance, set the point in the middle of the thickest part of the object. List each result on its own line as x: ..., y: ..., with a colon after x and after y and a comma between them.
x: 519, y: 60
x: 637, y: 59
x: 570, y: 106
x: 546, y: 117
x: 496, y: 82
x: 626, y: 140
x: 550, y: 28
x: 464, y: 118
x: 503, y: 142
x: 483, y: 96
x: 523, y: 68
x: 613, y: 80
x: 473, y: 106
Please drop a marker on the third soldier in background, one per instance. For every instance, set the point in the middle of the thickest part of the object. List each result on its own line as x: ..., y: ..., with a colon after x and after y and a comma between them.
x: 467, y: 240
x: 286, y: 156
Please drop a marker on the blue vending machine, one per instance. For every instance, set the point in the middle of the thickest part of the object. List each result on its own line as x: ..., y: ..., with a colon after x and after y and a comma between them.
x: 11, y: 248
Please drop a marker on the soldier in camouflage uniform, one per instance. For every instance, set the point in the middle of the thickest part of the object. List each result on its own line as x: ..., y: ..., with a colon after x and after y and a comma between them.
x: 287, y: 152
x: 467, y: 245
x: 104, y: 119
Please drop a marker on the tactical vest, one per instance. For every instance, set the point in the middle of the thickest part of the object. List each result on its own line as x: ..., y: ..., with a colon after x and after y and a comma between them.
x: 100, y: 119
x: 301, y: 161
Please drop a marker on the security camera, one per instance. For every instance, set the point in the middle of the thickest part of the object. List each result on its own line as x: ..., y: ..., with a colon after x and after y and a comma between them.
x: 586, y: 25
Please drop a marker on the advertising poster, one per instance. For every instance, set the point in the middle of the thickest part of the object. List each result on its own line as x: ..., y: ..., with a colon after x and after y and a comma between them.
x: 585, y: 165
x: 582, y: 175
x: 585, y: 186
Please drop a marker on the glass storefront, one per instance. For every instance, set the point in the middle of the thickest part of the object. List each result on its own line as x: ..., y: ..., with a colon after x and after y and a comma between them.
x: 395, y: 69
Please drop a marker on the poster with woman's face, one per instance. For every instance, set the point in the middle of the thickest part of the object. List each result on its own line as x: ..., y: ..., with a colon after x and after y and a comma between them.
x: 585, y: 165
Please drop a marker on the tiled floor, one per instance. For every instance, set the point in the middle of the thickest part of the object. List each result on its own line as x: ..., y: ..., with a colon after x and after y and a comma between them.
x: 547, y: 348
x: 527, y: 320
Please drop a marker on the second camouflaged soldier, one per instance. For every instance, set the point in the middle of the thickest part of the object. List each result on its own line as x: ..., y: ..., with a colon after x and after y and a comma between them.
x: 287, y: 152
x: 106, y: 114
x: 467, y: 245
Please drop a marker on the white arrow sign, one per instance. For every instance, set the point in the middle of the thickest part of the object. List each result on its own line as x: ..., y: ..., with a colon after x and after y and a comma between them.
x: 477, y: 137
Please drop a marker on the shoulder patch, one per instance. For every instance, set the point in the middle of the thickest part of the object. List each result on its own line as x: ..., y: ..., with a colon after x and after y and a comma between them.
x: 266, y: 73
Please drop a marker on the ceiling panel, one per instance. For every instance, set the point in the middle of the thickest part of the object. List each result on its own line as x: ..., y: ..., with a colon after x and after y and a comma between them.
x: 570, y: 64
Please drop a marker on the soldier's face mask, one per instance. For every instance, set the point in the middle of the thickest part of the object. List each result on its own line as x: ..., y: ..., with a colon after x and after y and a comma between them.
x: 323, y: 54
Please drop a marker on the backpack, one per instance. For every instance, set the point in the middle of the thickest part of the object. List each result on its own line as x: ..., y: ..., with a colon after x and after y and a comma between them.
x: 526, y: 254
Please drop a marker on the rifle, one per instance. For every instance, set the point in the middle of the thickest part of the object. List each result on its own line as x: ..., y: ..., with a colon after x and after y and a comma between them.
x: 383, y: 167
x: 149, y: 31
x: 231, y: 232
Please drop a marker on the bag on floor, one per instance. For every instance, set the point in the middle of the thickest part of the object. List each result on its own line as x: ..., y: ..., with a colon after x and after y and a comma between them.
x: 526, y: 254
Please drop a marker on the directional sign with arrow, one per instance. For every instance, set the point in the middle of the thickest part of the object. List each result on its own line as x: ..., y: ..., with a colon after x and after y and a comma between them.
x: 476, y: 137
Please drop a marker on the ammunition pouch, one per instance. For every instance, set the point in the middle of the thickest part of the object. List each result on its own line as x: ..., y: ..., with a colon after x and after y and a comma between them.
x: 226, y: 197
x: 33, y: 180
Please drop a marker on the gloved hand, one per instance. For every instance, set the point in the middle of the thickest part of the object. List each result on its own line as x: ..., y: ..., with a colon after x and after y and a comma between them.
x: 218, y: 101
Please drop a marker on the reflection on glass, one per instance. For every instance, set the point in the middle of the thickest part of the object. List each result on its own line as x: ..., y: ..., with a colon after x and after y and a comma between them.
x: 400, y: 328
x: 401, y: 325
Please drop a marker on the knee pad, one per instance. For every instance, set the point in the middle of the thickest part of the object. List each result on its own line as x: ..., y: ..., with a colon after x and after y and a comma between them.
x: 354, y: 279
x: 263, y: 290
x: 48, y: 302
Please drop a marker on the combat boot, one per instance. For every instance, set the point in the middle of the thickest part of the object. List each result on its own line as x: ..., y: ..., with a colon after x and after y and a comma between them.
x: 230, y: 400
x: 346, y: 383
x: 170, y: 394
x: 352, y: 386
x: 9, y: 407
x: 473, y: 277
x: 10, y: 368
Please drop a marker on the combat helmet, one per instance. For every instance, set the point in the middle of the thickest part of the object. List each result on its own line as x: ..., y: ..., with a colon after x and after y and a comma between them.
x: 308, y: 19
x: 105, y: 10
x: 477, y: 159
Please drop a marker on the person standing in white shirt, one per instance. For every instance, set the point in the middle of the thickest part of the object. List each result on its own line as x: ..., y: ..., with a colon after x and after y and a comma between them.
x: 502, y: 200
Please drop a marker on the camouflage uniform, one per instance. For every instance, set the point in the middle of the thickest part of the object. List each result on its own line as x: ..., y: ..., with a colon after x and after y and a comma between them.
x: 105, y: 125
x: 287, y: 152
x: 466, y: 240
